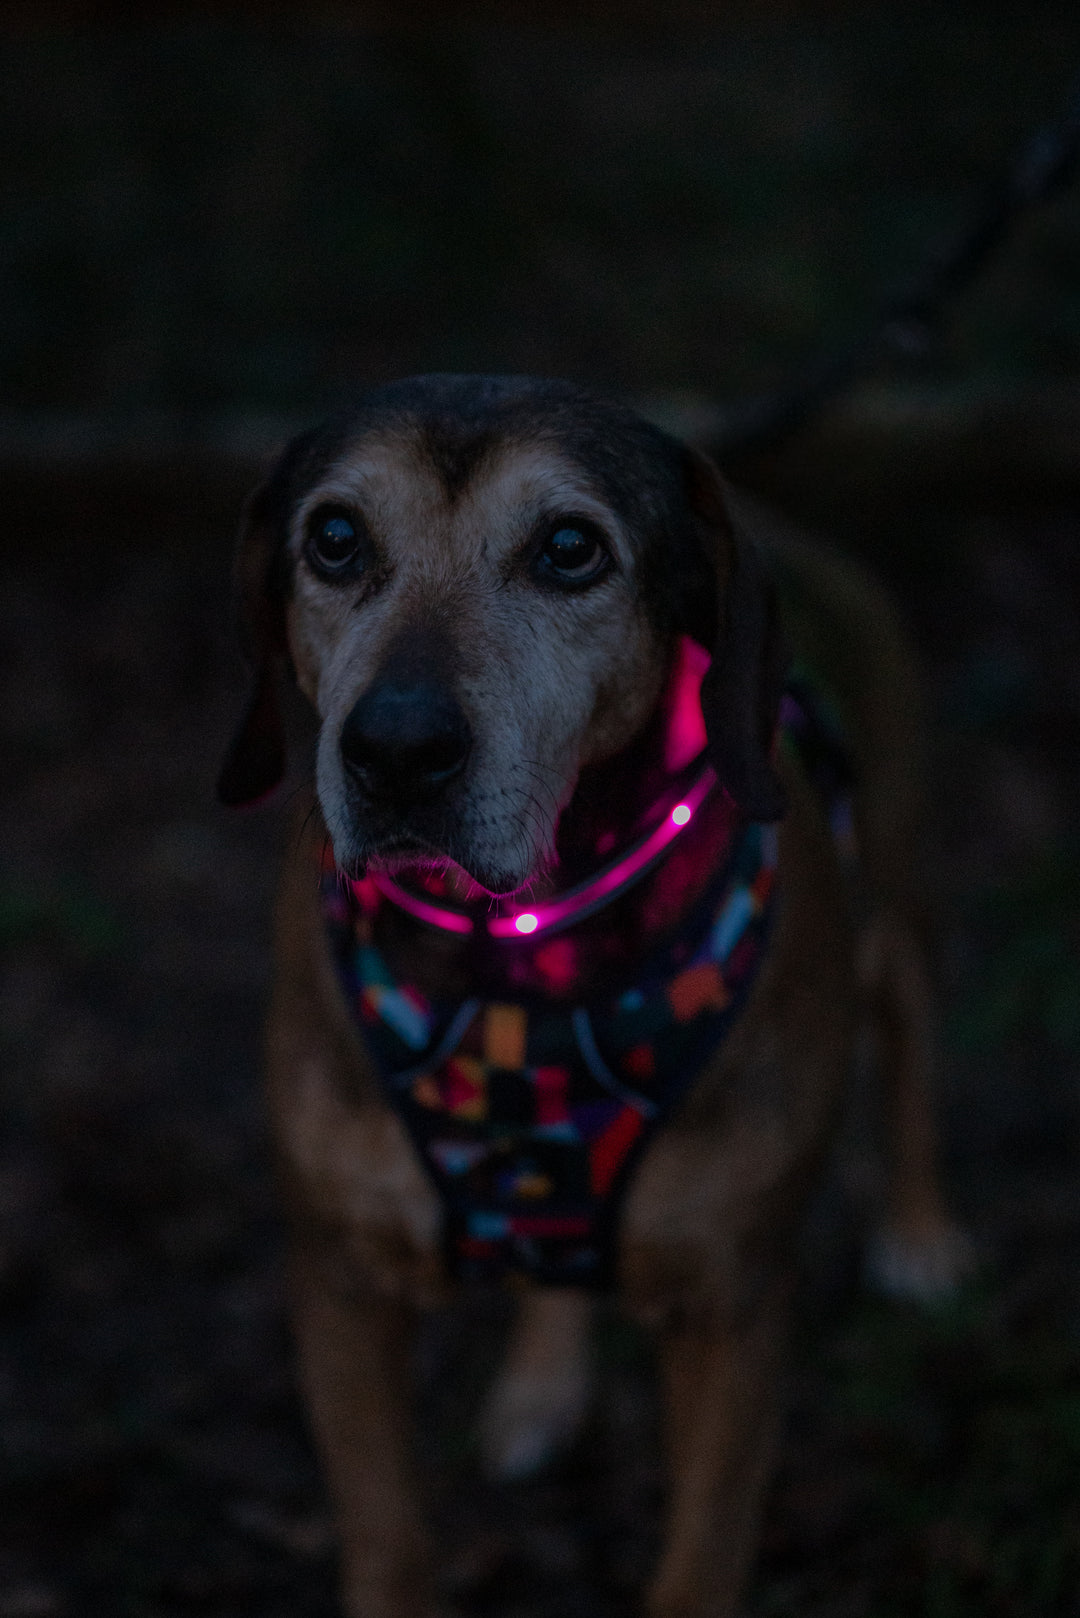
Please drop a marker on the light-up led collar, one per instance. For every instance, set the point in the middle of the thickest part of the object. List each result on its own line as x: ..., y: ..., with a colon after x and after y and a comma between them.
x: 552, y: 915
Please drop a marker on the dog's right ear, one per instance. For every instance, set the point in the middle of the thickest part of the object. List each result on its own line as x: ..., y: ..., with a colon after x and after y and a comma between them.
x: 255, y: 762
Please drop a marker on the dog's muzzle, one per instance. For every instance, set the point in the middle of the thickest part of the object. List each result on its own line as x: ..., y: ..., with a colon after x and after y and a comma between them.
x: 404, y: 743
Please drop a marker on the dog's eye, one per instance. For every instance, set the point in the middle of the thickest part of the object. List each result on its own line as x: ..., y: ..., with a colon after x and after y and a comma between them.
x: 573, y: 554
x: 333, y: 542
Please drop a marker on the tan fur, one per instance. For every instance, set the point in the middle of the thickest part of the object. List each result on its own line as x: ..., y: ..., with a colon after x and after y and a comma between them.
x: 705, y: 1253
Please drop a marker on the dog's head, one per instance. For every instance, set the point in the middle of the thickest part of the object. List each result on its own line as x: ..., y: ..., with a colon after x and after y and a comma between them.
x: 479, y: 583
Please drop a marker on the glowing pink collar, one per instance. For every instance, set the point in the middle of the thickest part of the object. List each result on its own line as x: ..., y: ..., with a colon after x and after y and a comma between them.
x: 552, y: 915
x: 684, y: 744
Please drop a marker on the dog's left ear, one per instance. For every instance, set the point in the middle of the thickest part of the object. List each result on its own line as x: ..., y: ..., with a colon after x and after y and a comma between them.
x: 255, y: 761
x: 740, y: 695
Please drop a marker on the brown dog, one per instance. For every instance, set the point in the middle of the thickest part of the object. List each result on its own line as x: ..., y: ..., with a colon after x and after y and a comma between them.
x: 480, y: 585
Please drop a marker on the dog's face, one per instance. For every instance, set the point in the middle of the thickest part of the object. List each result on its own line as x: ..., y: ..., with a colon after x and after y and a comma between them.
x: 467, y: 649
x: 478, y: 582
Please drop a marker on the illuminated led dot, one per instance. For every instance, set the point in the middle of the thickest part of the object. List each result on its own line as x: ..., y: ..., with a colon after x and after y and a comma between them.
x: 681, y: 813
x: 526, y: 923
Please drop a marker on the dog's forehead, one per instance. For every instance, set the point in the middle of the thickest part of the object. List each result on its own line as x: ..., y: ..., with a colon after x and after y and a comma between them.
x: 483, y: 495
x: 456, y: 422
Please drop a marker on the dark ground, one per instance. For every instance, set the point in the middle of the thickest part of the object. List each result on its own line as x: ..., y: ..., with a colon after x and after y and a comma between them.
x: 154, y: 1460
x: 205, y: 221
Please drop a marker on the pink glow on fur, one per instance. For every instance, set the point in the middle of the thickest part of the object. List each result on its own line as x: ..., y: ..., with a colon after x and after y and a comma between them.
x: 686, y: 729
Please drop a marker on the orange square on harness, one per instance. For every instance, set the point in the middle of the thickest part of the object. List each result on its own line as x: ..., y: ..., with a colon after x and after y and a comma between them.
x: 504, y: 1035
x: 700, y: 988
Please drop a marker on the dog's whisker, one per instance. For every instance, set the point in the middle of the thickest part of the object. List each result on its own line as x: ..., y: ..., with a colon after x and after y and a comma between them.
x: 545, y: 787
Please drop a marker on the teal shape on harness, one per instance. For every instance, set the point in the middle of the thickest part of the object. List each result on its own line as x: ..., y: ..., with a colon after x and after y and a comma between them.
x: 732, y: 923
x: 371, y: 969
x: 405, y: 1017
x: 457, y: 1157
x: 560, y: 1134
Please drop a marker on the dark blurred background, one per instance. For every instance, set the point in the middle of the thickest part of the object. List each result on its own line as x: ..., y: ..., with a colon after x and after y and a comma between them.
x: 212, y: 223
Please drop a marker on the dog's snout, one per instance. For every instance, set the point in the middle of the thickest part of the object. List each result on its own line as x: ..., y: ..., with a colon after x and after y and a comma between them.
x: 405, y: 741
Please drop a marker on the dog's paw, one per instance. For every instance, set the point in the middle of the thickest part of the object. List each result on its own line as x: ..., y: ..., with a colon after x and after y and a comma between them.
x: 531, y: 1417
x: 928, y: 1268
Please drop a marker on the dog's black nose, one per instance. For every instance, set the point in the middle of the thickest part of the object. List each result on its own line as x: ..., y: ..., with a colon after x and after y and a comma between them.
x: 405, y: 741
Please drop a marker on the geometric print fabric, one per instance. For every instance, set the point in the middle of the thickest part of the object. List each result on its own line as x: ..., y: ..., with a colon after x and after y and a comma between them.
x: 529, y: 1117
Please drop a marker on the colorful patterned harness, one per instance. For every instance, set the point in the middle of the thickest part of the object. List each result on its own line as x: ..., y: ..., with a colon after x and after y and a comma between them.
x: 530, y: 1114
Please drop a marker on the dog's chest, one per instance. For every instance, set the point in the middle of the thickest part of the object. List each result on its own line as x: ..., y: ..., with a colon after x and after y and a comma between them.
x: 529, y: 1112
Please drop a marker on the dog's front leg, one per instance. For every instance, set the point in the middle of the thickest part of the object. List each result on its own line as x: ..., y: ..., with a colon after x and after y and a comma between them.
x: 539, y: 1398
x: 354, y: 1361
x: 722, y: 1417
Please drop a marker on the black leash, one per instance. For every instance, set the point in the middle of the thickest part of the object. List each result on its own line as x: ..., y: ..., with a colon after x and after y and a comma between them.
x: 1044, y: 165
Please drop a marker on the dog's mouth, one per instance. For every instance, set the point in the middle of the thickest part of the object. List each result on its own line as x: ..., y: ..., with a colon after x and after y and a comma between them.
x: 426, y: 867
x: 436, y: 845
x: 402, y: 854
